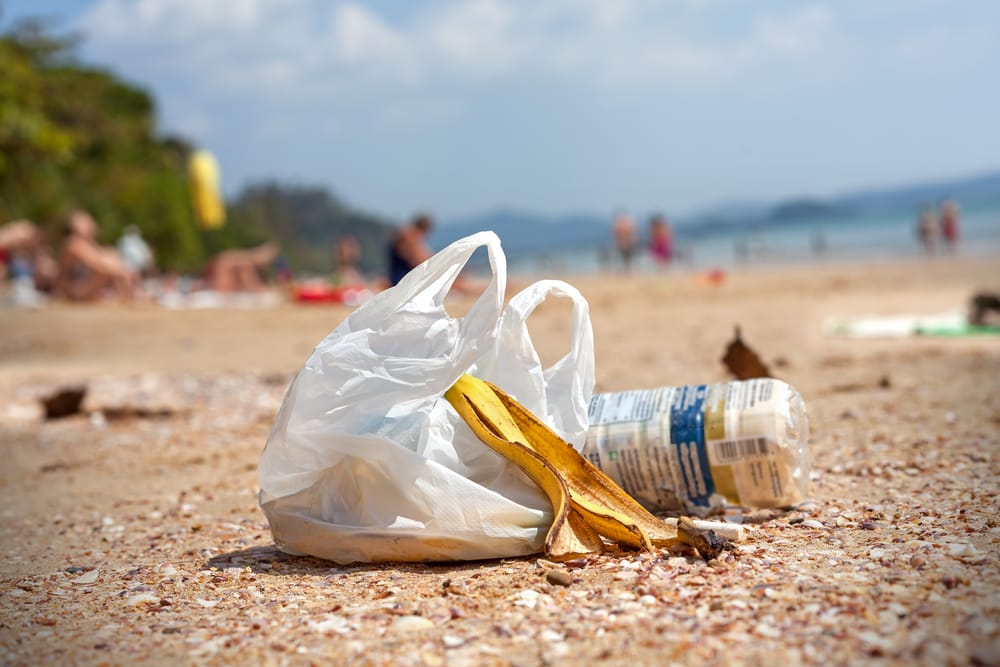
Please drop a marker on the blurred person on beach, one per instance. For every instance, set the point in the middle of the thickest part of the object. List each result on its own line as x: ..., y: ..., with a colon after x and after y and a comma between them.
x: 134, y: 250
x: 87, y: 270
x: 409, y: 247
x: 23, y: 241
x: 240, y: 270
x: 26, y: 260
x: 16, y: 236
x: 950, y: 230
x: 346, y: 253
x: 927, y: 228
x: 625, y: 238
x: 661, y: 240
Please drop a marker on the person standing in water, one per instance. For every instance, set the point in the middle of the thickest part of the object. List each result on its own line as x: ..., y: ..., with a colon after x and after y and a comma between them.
x: 949, y: 224
x: 626, y: 240
x: 661, y: 240
x: 927, y: 228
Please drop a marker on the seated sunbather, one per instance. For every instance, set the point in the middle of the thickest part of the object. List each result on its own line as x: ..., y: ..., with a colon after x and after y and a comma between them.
x: 87, y: 269
x: 240, y: 270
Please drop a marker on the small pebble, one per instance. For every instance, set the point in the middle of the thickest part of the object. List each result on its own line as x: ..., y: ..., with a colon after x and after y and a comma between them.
x: 140, y: 599
x: 411, y: 624
x: 168, y: 571
x: 527, y: 598
x: 559, y: 577
x: 551, y: 636
x: 963, y: 551
x: 86, y: 578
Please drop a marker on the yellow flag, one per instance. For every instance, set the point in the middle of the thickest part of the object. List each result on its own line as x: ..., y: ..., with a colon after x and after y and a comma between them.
x: 206, y: 199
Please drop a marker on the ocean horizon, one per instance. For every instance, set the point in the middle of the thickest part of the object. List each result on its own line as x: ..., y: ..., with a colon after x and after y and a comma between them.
x: 834, y: 239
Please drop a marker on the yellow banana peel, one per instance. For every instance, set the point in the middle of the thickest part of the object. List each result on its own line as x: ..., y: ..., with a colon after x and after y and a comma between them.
x: 586, y: 504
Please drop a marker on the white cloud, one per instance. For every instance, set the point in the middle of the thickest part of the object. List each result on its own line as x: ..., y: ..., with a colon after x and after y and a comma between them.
x: 475, y: 37
x: 275, y: 43
x: 809, y: 30
x: 942, y: 48
x: 291, y: 49
x: 359, y: 36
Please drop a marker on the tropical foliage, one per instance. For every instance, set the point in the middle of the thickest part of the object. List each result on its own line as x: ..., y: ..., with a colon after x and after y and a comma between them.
x: 77, y: 136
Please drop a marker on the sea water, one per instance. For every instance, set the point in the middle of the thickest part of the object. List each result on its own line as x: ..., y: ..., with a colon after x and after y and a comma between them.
x: 847, y: 238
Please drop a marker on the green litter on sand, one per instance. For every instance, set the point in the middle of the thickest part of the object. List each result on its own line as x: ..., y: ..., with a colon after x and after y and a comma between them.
x: 959, y: 331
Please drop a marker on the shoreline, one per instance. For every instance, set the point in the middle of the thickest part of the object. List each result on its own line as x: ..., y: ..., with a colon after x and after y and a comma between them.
x: 804, y: 261
x: 74, y: 340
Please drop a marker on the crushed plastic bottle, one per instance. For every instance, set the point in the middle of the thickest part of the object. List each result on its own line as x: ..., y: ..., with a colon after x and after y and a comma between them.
x: 703, y: 446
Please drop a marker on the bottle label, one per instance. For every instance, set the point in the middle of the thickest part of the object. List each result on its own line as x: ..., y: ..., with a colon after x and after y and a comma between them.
x: 687, y: 435
x: 629, y: 440
x: 625, y: 406
x: 652, y: 443
x: 725, y: 452
x: 695, y: 445
x: 743, y: 445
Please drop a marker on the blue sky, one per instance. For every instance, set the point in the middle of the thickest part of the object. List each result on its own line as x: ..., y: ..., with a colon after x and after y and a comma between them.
x: 459, y: 107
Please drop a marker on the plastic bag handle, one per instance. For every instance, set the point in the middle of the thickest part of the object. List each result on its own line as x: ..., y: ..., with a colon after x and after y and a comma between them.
x: 524, y: 304
x: 427, y: 285
x: 576, y: 368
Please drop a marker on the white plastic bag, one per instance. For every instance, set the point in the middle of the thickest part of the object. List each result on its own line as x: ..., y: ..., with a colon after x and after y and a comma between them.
x: 368, y: 462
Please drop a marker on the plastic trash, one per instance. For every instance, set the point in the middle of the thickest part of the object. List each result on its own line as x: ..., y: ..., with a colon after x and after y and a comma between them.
x: 367, y: 461
x: 700, y: 446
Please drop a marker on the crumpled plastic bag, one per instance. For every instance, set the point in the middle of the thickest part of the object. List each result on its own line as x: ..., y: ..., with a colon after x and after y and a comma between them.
x: 368, y: 462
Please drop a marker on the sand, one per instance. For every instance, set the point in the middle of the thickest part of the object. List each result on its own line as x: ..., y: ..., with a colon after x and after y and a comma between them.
x: 131, y: 534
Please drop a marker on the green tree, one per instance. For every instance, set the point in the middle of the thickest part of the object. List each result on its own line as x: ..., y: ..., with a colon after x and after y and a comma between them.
x: 73, y: 135
x: 77, y: 136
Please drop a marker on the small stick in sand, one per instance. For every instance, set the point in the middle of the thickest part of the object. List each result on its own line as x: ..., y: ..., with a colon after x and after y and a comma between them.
x: 730, y: 531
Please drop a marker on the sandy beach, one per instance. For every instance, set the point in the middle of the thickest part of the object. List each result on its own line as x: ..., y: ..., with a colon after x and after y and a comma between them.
x: 131, y: 534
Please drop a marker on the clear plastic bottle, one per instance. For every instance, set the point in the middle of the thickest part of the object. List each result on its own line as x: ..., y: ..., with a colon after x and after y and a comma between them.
x: 700, y: 446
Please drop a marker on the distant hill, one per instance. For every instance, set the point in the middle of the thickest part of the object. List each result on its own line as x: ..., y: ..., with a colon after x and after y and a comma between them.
x: 969, y: 191
x: 527, y: 234
x: 306, y: 221
x: 806, y: 209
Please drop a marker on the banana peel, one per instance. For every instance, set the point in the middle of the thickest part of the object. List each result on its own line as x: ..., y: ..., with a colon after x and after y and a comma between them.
x: 587, y: 505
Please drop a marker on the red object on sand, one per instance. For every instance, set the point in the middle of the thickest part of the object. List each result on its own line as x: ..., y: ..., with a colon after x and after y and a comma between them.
x: 714, y: 278
x: 319, y: 293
